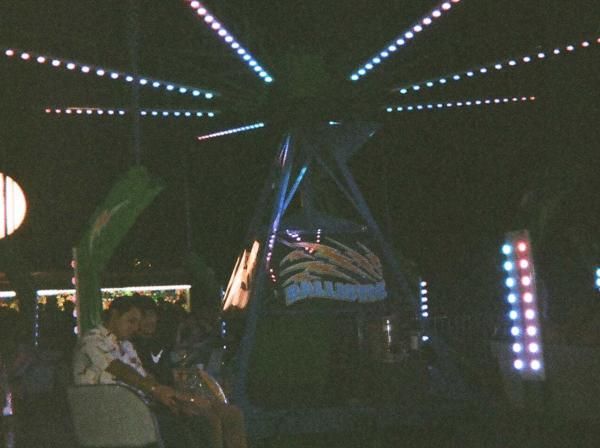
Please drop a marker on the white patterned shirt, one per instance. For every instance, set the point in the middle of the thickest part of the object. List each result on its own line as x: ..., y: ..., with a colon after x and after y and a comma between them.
x: 94, y: 353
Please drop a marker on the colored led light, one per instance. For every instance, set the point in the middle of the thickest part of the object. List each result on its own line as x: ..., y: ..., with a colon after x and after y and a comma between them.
x: 231, y: 131
x: 518, y: 364
x: 406, y: 35
x: 217, y: 28
x: 511, y: 298
x: 99, y: 71
x: 499, y: 65
x: 517, y: 348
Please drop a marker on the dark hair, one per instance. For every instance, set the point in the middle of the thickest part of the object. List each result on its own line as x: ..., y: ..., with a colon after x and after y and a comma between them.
x: 145, y: 303
x: 123, y: 304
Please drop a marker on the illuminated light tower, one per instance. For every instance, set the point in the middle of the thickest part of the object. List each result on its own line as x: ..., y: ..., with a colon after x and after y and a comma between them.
x: 525, y: 329
x: 597, y: 282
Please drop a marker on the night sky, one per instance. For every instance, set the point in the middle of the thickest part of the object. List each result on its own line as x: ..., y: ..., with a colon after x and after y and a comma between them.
x: 444, y: 185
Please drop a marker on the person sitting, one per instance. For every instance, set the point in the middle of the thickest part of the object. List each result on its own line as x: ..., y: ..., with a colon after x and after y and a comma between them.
x: 105, y: 355
x: 151, y: 349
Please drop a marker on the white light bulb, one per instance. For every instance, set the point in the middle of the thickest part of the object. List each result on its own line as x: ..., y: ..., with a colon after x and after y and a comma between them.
x: 535, y: 365
x: 518, y: 364
x: 531, y: 330
x: 41, y: 59
x: 436, y: 13
x: 427, y: 21
x: 517, y: 348
x: 417, y: 28
x: 400, y: 42
x: 512, y: 298
x: 446, y: 6
x: 515, y: 331
x: 409, y: 35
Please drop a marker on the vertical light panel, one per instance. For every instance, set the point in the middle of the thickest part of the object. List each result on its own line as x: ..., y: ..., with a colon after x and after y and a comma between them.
x: 424, y: 305
x: 525, y: 327
x: 597, y: 282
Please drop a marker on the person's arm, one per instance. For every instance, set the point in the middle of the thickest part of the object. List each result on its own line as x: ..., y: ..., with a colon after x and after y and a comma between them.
x: 128, y: 375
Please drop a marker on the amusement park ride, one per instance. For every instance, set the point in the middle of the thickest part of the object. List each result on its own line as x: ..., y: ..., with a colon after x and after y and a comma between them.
x: 314, y: 286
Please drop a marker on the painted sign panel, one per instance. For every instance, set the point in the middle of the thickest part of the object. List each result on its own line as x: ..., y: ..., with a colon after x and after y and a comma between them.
x: 330, y: 269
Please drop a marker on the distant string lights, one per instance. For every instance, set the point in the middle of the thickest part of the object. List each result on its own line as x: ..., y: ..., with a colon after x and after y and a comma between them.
x: 537, y: 55
x: 403, y: 39
x: 249, y: 127
x: 459, y: 104
x: 151, y: 113
x: 216, y: 27
x: 103, y: 72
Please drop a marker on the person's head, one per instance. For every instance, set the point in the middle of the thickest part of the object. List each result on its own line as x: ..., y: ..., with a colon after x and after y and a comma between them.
x: 149, y: 319
x: 124, y: 316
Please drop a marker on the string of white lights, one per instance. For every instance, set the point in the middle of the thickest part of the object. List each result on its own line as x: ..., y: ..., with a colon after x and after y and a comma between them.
x: 458, y: 104
x: 103, y: 72
x: 249, y: 127
x: 216, y: 27
x: 538, y: 55
x: 121, y: 112
x: 402, y: 40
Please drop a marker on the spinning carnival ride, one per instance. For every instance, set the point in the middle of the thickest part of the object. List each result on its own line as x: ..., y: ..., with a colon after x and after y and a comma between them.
x: 305, y: 273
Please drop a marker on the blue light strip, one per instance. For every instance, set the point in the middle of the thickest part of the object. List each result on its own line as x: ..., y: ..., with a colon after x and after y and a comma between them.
x: 216, y: 27
x: 458, y: 104
x: 475, y: 72
x: 107, y: 73
x: 403, y: 39
x: 249, y: 127
x: 153, y: 113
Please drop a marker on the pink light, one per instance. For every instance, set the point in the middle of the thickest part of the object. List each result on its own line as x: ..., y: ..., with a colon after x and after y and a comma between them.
x: 528, y: 297
x: 570, y: 48
x: 48, y: 111
x: 25, y: 56
x: 427, y: 21
x: 523, y: 264
x: 85, y: 69
x: 521, y: 246
x: 526, y: 281
x: 41, y: 59
x: 55, y: 63
x: 531, y: 331
x: 585, y: 44
x: 529, y: 314
x: 9, y: 52
x: 209, y: 19
x: 215, y: 26
x: 195, y: 4
x: 446, y: 6
x: 436, y: 13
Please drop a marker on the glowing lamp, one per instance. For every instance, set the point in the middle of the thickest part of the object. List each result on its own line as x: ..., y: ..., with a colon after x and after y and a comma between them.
x: 13, y: 206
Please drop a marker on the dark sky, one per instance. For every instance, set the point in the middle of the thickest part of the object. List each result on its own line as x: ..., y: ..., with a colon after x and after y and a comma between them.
x: 445, y: 185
